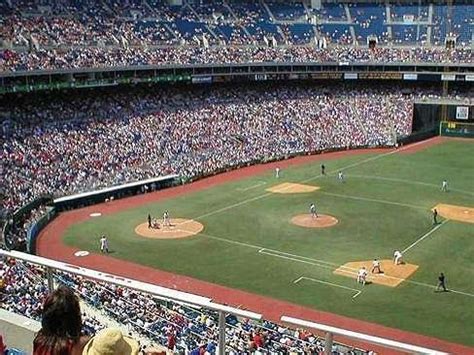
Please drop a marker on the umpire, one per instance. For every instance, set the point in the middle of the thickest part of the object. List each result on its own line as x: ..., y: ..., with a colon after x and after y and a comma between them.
x: 441, y: 282
x: 435, y: 216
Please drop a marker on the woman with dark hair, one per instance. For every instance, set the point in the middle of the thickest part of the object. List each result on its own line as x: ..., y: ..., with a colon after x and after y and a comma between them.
x: 61, y: 325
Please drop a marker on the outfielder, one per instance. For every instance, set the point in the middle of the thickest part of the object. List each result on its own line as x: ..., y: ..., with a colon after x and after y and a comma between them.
x: 444, y: 186
x: 277, y: 172
x: 340, y: 176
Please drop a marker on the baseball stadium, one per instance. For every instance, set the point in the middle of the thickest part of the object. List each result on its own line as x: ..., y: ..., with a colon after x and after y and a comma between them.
x: 236, y: 177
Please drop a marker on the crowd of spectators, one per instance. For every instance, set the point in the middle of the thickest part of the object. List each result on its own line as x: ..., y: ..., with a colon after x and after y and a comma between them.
x: 15, y: 236
x: 98, y: 57
x: 178, y: 327
x: 62, y: 144
x: 80, y: 34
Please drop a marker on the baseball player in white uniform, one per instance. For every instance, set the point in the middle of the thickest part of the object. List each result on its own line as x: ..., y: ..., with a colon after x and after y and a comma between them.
x: 444, y: 186
x: 340, y: 176
x: 166, y: 219
x: 376, y: 266
x: 397, y: 257
x: 277, y: 172
x: 104, y: 244
x: 362, y: 275
x: 312, y: 211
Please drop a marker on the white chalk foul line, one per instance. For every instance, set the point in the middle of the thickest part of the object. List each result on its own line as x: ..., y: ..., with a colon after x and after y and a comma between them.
x: 296, y: 259
x: 252, y: 187
x: 369, y: 199
x: 352, y: 165
x: 357, y: 292
x: 315, y: 262
x: 426, y: 235
x: 223, y: 209
x: 421, y: 183
x: 353, y: 271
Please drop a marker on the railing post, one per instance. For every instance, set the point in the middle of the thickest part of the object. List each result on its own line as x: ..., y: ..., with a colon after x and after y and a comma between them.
x: 49, y: 275
x: 328, y: 344
x: 222, y: 333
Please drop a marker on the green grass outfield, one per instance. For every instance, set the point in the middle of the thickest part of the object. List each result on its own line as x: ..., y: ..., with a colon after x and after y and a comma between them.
x: 384, y: 205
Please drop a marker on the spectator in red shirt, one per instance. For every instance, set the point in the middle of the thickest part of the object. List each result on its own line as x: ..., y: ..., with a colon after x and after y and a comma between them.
x: 258, y: 340
x: 171, y: 341
x: 3, y: 347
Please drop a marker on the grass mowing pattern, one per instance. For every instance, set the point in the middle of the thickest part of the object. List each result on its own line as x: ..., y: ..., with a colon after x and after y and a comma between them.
x: 384, y: 205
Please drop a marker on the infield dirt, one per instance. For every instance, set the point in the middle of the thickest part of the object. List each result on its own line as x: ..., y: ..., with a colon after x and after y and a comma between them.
x: 179, y: 228
x: 291, y: 188
x: 391, y: 275
x: 308, y: 221
x: 456, y: 213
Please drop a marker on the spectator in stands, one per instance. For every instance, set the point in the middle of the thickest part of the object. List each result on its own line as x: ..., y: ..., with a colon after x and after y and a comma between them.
x: 3, y: 347
x: 111, y: 341
x: 61, y: 325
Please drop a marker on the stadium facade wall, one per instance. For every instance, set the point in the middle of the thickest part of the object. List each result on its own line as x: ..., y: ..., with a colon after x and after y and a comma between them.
x: 18, y: 331
x: 28, y: 81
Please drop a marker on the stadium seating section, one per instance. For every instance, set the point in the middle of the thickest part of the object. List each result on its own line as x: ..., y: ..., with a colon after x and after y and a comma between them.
x: 64, y: 34
x: 151, y: 320
x: 89, y: 140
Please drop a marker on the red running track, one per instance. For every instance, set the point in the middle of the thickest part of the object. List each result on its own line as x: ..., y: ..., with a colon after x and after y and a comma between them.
x: 50, y: 245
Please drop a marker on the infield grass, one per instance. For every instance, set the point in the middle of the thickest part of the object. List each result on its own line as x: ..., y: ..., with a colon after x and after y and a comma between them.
x: 383, y: 205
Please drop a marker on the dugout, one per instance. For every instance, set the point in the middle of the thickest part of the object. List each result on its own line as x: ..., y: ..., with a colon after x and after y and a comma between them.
x: 114, y: 192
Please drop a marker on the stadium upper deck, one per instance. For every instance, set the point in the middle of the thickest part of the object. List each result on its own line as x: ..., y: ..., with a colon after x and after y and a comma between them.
x: 83, y: 33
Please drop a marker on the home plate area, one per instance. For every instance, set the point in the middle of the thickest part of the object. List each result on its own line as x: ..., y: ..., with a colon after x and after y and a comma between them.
x: 292, y: 188
x: 392, y: 275
x: 179, y: 228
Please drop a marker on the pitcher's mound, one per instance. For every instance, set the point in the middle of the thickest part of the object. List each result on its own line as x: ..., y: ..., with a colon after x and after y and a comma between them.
x: 291, y: 188
x: 322, y: 221
x: 392, y: 275
x: 180, y: 228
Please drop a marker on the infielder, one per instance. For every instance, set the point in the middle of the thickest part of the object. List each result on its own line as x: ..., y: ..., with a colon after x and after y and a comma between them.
x: 312, y: 211
x: 277, y: 172
x: 376, y: 266
x: 340, y: 176
x: 444, y: 186
x: 166, y: 219
x: 104, y: 244
x: 362, y: 275
x: 397, y: 257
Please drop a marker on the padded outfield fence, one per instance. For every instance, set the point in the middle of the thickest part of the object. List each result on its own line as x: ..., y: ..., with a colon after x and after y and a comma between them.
x: 456, y: 129
x: 54, y: 268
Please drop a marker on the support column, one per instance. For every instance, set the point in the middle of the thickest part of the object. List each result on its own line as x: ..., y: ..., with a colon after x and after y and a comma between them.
x: 221, y: 333
x: 328, y: 343
x: 49, y: 276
